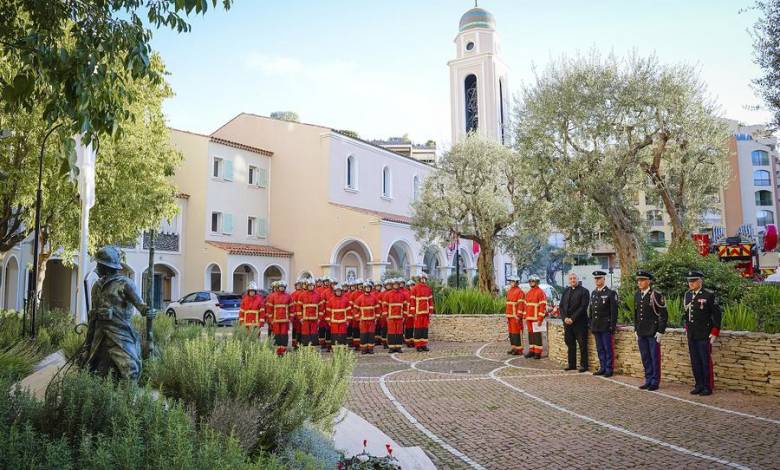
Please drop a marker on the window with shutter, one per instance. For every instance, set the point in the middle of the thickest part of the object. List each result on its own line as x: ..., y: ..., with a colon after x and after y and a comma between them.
x: 262, y: 228
x: 227, y: 224
x: 262, y: 177
x: 227, y: 170
x: 215, y: 221
x: 250, y: 226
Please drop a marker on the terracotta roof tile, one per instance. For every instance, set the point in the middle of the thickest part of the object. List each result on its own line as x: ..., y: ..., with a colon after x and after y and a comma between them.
x: 401, y: 219
x: 241, y: 146
x: 250, y: 250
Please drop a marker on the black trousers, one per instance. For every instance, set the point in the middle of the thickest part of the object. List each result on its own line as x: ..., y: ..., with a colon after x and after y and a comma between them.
x: 576, y: 335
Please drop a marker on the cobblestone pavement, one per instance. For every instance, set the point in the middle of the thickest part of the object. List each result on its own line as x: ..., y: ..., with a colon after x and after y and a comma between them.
x: 473, y: 406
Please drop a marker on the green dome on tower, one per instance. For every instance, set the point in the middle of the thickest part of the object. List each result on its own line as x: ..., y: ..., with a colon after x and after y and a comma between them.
x: 477, y: 18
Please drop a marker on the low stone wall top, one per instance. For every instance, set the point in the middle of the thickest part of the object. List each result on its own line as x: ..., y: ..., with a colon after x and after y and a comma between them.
x: 742, y: 361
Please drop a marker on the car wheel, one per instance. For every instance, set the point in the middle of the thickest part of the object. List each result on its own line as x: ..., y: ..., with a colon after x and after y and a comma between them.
x: 171, y: 313
x: 208, y: 319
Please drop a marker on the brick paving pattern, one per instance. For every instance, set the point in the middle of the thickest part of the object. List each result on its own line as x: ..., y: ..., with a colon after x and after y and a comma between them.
x: 500, y: 412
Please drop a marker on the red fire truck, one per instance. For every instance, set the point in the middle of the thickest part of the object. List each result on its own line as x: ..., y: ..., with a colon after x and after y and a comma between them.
x: 755, y: 255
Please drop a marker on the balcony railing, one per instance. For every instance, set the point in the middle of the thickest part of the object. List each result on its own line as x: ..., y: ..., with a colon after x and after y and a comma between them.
x: 163, y: 241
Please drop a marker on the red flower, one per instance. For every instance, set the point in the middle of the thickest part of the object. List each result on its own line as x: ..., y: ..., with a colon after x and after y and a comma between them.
x: 389, y: 449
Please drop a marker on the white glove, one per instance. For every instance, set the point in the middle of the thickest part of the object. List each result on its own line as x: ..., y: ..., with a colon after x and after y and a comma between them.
x: 712, y: 339
x: 658, y: 337
x: 636, y: 335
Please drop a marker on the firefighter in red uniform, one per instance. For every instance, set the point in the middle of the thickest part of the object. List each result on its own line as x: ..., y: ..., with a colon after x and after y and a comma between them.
x: 515, y: 306
x: 421, y: 306
x: 338, y: 313
x: 400, y: 285
x: 295, y: 316
x: 309, y: 308
x: 324, y: 329
x: 348, y: 288
x: 277, y: 308
x: 396, y: 306
x: 250, y: 311
x: 365, y: 307
x: 535, y: 311
x: 355, y: 292
x: 381, y: 323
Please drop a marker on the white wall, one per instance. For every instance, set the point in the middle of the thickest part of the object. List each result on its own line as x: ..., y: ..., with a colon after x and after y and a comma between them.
x: 370, y: 162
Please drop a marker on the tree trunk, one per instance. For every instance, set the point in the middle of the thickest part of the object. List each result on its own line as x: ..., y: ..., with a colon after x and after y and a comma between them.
x: 678, y: 231
x: 43, y: 258
x: 625, y: 239
x: 485, y: 267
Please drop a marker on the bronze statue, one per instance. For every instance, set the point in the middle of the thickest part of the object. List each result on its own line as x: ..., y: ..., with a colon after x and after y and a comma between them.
x: 113, y: 346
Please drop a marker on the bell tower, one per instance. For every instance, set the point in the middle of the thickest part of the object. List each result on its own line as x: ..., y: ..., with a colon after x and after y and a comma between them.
x: 479, y: 96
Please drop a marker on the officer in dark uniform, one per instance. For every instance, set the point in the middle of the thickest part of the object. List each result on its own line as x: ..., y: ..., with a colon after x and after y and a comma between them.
x: 603, y: 313
x: 702, y: 325
x: 650, y: 317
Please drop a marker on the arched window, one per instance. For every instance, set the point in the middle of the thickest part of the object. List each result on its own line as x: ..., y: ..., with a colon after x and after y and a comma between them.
x: 657, y: 238
x: 386, y: 182
x: 471, y: 103
x: 655, y: 218
x: 763, y: 198
x: 351, y: 172
x: 214, y: 278
x: 760, y: 158
x: 415, y: 188
x: 763, y: 218
x: 761, y: 178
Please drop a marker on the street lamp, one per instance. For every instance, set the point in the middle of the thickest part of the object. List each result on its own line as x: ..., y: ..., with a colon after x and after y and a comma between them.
x: 32, y: 290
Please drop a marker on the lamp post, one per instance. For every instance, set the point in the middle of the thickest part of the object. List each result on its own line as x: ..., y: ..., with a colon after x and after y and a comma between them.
x: 457, y: 261
x: 32, y: 289
x: 148, y: 346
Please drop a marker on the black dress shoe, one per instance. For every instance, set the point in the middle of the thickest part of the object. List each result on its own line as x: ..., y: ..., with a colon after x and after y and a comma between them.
x: 528, y: 356
x: 512, y: 352
x: 705, y: 392
x: 569, y: 368
x: 653, y: 388
x: 537, y: 356
x: 425, y: 348
x: 599, y: 372
x: 696, y: 391
x: 582, y: 369
x: 644, y: 386
x: 608, y: 373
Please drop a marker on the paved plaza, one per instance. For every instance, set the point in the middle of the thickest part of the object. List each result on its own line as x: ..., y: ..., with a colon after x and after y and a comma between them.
x: 469, y: 405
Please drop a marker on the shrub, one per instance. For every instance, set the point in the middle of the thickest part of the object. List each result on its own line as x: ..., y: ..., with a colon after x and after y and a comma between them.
x: 18, y: 359
x: 470, y: 302
x: 287, y: 391
x: 626, y: 307
x: 306, y: 448
x: 764, y: 301
x: 738, y: 318
x: 674, y: 308
x: 86, y: 422
x: 464, y: 280
x: 671, y: 267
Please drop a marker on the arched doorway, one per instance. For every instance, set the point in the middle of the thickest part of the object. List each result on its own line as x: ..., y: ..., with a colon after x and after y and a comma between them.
x: 271, y: 274
x: 165, y: 288
x: 11, y: 284
x: 242, y: 276
x: 433, y: 262
x: 57, y: 286
x: 400, y: 258
x: 351, y: 258
x: 213, y: 278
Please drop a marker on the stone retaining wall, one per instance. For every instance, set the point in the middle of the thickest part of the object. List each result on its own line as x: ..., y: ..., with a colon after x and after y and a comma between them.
x: 742, y: 361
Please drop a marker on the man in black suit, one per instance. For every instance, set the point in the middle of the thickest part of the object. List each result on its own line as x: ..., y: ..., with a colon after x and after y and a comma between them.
x: 702, y: 326
x: 574, y: 307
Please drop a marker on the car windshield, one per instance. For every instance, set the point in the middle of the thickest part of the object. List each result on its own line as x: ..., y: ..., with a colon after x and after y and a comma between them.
x: 229, y: 301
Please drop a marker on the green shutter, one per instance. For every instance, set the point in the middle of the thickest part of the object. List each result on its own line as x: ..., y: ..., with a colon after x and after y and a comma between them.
x: 262, y: 177
x: 262, y: 228
x: 227, y: 170
x: 227, y: 223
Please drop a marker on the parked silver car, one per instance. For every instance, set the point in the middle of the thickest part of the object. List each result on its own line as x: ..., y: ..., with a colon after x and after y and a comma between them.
x: 208, y: 308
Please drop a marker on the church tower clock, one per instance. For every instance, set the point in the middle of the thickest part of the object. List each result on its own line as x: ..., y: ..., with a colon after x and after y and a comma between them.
x: 479, y: 95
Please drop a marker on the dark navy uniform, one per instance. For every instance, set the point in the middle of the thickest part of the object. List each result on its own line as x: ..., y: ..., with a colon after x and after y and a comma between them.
x: 603, y: 313
x: 650, y: 317
x: 702, y: 322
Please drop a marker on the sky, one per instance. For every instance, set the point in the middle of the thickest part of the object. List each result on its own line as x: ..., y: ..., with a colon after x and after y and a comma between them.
x: 380, y: 67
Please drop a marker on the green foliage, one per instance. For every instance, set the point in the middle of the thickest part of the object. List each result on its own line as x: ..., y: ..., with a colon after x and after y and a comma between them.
x: 86, y: 422
x: 464, y: 280
x: 766, y: 40
x: 291, y: 116
x: 469, y: 302
x: 17, y: 360
x: 392, y: 273
x: 738, y: 318
x: 308, y: 448
x: 17, y: 354
x: 627, y: 305
x: 764, y: 301
x: 674, y: 308
x: 670, y: 269
x: 286, y: 391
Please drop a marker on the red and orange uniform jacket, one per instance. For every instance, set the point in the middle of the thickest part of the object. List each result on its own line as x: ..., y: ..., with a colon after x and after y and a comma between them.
x: 396, y: 304
x: 405, y: 292
x: 421, y: 300
x: 296, y: 295
x: 515, y: 303
x: 277, y: 307
x: 309, y: 304
x: 535, y: 304
x: 338, y: 310
x: 250, y: 312
x: 365, y: 307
